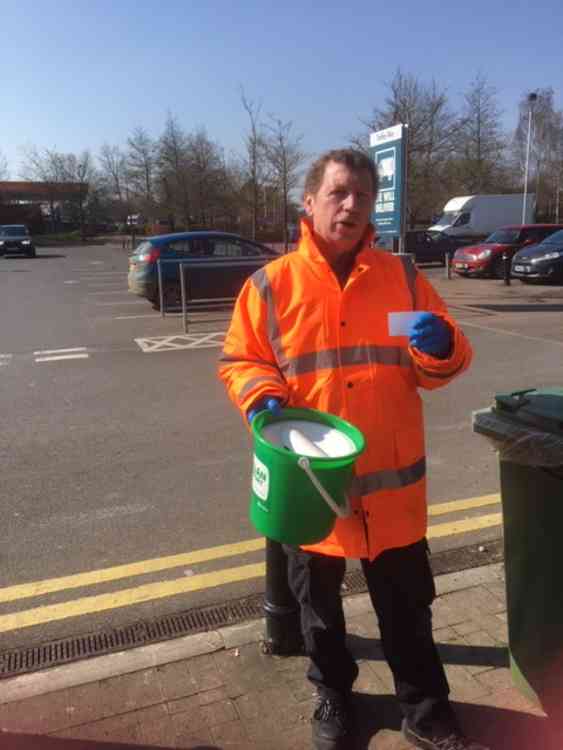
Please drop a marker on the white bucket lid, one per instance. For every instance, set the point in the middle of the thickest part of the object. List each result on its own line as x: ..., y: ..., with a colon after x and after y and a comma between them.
x: 309, y: 438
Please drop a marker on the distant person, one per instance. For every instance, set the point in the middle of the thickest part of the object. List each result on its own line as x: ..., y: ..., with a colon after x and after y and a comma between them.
x: 310, y: 330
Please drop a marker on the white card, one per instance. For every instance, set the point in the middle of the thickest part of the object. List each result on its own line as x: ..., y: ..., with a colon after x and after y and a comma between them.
x: 401, y: 323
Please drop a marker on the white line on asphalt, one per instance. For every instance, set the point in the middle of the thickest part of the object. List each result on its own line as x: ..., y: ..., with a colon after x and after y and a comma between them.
x: 71, y: 281
x: 509, y: 333
x: 60, y: 351
x: 181, y: 341
x: 111, y: 291
x: 5, y: 359
x: 131, y: 302
x: 134, y: 317
x: 106, y: 276
x: 63, y: 356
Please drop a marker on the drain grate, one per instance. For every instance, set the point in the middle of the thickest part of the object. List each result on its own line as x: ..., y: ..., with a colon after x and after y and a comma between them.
x: 75, y: 648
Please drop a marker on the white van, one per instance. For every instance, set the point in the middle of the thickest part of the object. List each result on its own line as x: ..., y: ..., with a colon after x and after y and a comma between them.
x: 479, y: 215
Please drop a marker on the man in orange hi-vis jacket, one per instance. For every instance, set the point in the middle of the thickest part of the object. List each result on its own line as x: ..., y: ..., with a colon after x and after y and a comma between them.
x: 310, y: 330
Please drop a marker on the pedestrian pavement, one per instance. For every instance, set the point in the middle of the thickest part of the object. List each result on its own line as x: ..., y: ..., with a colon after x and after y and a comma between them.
x: 218, y: 691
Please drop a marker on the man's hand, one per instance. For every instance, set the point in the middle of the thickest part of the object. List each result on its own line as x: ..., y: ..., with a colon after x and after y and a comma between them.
x: 431, y: 335
x: 271, y: 404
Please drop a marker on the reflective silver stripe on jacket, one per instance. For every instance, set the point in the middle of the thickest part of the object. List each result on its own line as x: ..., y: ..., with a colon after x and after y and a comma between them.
x: 251, y: 382
x: 388, y: 479
x: 331, y: 359
x: 410, y: 273
x: 327, y: 359
x: 262, y: 283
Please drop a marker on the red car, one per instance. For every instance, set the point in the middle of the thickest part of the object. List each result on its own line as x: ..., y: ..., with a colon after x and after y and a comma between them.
x: 486, y: 258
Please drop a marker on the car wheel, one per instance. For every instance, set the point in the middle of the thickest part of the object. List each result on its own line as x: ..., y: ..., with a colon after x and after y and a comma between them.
x: 31, y: 254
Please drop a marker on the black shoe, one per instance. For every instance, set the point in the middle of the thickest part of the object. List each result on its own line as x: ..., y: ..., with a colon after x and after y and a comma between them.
x: 454, y: 740
x: 330, y: 723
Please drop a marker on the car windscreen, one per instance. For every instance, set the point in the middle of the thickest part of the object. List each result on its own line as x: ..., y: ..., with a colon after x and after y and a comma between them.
x: 554, y: 239
x: 447, y: 218
x: 504, y: 236
x: 13, y: 231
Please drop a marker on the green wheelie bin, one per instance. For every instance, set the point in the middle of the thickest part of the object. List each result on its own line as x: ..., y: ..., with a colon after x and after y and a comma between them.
x: 526, y: 428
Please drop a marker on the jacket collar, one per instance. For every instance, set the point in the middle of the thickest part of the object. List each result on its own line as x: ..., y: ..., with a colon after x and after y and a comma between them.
x: 309, y: 247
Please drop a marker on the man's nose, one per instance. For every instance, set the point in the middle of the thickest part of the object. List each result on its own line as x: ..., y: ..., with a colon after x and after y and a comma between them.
x: 350, y: 202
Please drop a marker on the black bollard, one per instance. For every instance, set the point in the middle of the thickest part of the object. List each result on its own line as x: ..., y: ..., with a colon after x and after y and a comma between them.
x: 283, y: 622
x: 448, y: 258
x: 506, y: 268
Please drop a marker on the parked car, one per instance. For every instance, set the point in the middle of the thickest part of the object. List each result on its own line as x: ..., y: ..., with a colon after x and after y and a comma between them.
x: 217, y: 264
x: 541, y: 262
x: 486, y: 259
x: 16, y: 240
x: 430, y: 247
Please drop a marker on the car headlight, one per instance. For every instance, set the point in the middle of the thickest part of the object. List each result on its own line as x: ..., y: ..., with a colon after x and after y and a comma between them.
x: 484, y: 254
x: 26, y: 242
x: 548, y: 256
x: 1, y: 243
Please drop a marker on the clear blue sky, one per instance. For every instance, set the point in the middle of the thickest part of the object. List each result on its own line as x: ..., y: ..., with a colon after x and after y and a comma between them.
x: 77, y: 73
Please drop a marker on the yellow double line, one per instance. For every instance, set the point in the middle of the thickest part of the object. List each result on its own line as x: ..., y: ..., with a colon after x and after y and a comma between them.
x: 162, y: 589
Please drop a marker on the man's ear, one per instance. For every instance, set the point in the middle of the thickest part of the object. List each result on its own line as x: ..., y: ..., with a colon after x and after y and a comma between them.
x: 308, y: 204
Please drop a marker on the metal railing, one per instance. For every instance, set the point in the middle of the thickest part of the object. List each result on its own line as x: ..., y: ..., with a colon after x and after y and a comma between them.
x: 184, y: 285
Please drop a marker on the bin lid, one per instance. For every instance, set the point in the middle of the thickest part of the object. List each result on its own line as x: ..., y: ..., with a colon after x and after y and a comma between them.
x: 540, y: 407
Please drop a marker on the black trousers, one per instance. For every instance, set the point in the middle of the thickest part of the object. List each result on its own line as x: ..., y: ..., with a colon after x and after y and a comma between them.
x: 401, y: 588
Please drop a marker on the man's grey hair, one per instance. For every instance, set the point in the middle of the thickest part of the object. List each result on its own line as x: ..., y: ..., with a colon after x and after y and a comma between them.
x: 354, y: 159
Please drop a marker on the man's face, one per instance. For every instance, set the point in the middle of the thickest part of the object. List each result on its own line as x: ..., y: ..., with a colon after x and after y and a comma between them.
x: 342, y: 206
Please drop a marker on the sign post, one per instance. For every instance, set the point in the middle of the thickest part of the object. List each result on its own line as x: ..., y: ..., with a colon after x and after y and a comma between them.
x: 388, y: 149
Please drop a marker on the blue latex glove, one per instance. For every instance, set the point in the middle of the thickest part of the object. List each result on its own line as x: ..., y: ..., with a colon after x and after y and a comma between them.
x: 269, y: 403
x: 431, y: 335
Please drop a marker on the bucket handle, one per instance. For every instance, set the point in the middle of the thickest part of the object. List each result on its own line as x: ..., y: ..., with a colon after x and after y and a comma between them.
x: 344, y: 512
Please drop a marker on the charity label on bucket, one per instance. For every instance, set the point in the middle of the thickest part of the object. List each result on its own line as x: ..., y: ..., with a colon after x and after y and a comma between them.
x: 302, y: 467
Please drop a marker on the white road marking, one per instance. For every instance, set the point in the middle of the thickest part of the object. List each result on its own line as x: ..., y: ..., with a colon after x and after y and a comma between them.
x: 105, y: 276
x: 71, y: 281
x: 181, y: 341
x: 130, y: 302
x: 64, y: 356
x: 509, y: 333
x: 56, y: 355
x: 5, y: 359
x: 134, y: 317
x: 110, y: 291
x: 60, y: 351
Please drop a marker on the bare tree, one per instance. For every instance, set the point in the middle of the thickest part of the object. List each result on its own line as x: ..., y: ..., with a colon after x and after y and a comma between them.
x: 254, y: 162
x: 480, y: 162
x: 112, y: 165
x: 80, y: 170
x: 207, y: 172
x: 141, y: 167
x: 173, y: 171
x: 285, y: 157
x: 115, y: 180
x: 433, y: 129
x: 48, y: 166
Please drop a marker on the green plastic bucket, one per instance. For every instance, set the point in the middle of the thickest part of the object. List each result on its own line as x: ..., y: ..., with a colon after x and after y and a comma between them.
x: 296, y: 498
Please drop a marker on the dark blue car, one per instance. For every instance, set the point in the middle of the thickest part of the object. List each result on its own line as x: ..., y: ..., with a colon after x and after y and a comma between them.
x: 216, y: 265
x: 541, y: 262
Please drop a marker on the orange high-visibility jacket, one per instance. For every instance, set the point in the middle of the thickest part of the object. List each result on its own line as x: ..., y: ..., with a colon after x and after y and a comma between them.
x: 298, y: 336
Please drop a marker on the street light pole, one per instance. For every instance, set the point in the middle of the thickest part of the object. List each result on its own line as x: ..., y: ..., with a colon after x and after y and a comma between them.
x: 531, y: 101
